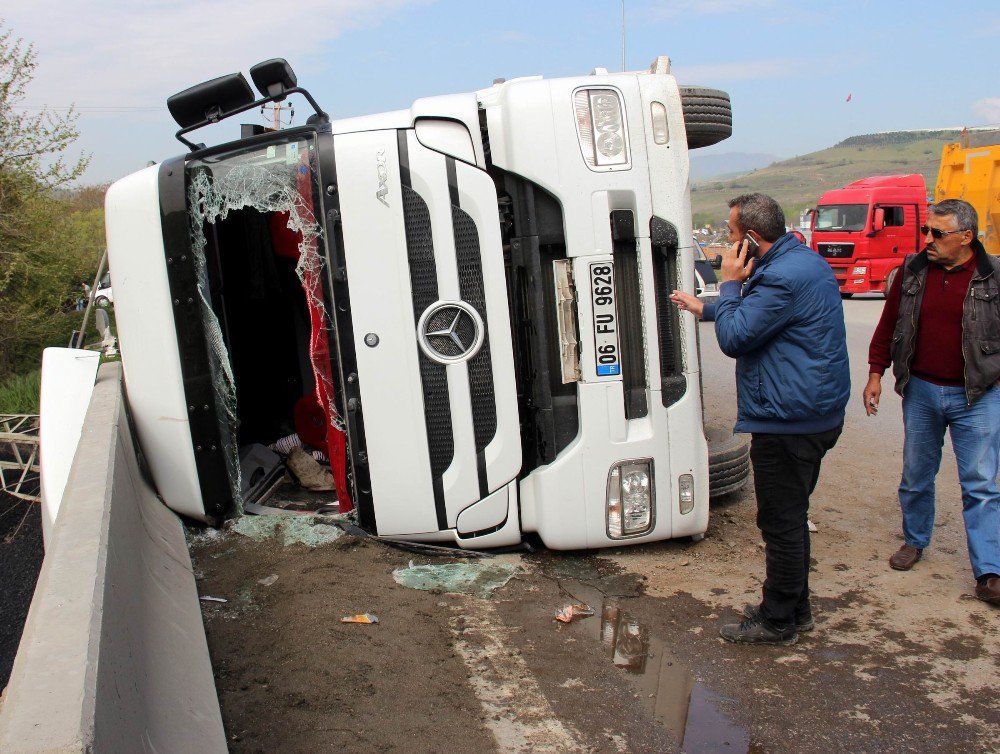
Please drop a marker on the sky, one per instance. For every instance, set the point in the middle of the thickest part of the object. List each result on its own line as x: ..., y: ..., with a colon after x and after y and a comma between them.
x: 789, y: 67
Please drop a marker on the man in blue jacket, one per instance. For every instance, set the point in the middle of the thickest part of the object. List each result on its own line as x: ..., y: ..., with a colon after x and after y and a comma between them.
x: 779, y: 314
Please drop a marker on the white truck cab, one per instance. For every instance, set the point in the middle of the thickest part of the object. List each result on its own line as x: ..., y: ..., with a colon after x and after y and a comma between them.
x: 472, y: 294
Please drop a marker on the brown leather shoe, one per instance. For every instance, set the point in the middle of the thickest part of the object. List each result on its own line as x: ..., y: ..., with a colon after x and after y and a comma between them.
x: 988, y: 590
x: 905, y: 558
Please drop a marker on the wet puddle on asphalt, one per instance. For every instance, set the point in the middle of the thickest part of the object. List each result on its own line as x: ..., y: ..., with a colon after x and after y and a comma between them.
x: 681, y: 703
x: 667, y: 688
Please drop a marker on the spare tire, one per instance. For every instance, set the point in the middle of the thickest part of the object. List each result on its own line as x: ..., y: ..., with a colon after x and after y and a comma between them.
x: 708, y: 116
x: 728, y: 461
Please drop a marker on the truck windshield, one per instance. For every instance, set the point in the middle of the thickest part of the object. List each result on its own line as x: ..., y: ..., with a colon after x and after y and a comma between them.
x: 844, y: 217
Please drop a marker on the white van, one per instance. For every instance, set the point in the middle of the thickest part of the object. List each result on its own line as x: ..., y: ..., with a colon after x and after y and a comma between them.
x: 104, y: 295
x: 472, y: 294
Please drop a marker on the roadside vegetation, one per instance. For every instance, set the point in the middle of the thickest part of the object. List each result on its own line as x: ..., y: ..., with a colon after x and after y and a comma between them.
x: 19, y: 393
x: 799, y: 182
x: 51, y: 235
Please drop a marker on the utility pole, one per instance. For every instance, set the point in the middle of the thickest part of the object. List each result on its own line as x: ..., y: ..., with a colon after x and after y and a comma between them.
x: 623, y: 36
x: 276, y: 110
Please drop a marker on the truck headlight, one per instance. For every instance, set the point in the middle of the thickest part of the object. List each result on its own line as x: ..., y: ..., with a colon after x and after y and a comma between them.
x: 861, y: 270
x: 602, y: 129
x: 685, y: 492
x: 630, y: 498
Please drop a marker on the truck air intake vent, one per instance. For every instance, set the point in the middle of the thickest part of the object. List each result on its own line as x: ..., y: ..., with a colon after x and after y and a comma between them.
x: 470, y: 281
x: 434, y: 380
x: 663, y: 236
x: 628, y: 293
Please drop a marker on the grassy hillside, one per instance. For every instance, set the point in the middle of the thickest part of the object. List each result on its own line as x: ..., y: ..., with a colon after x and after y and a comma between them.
x: 799, y: 182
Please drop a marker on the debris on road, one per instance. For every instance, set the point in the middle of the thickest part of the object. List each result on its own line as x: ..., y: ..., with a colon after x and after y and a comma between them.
x: 268, y: 580
x: 362, y: 618
x: 306, y: 531
x: 201, y: 536
x: 477, y: 579
x: 257, y: 528
x: 571, y: 612
x: 811, y: 526
x: 206, y: 598
x: 296, y: 529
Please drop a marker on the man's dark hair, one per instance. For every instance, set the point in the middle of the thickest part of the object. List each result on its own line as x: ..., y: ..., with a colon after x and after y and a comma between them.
x: 965, y: 214
x: 761, y: 213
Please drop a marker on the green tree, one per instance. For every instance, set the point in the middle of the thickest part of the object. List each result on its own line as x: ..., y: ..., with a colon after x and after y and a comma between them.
x: 48, y: 246
x: 32, y: 145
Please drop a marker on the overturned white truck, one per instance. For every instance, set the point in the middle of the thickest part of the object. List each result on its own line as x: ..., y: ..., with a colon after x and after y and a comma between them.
x: 471, y: 294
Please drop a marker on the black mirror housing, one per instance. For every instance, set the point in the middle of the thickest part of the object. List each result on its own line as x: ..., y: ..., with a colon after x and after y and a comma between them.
x: 210, y: 100
x: 273, y: 78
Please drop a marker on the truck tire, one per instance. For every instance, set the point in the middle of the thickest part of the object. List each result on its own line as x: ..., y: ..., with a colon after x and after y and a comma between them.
x: 728, y: 462
x: 889, y: 279
x: 708, y: 116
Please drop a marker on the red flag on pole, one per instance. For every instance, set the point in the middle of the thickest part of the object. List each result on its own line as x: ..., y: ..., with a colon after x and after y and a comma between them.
x: 849, y: 97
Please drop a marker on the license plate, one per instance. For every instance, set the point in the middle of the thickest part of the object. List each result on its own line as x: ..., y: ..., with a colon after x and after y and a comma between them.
x: 836, y: 250
x: 602, y: 292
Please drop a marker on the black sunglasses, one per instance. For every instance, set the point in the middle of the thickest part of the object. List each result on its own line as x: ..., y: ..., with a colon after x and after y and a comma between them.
x: 938, y: 234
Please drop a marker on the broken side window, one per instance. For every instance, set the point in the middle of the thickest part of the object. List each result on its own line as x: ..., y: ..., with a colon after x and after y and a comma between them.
x: 267, y: 190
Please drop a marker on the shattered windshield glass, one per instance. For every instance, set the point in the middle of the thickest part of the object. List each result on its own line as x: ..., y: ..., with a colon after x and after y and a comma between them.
x: 277, y: 179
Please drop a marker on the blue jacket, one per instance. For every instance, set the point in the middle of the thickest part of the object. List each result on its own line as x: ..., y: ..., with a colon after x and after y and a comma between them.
x: 786, y: 332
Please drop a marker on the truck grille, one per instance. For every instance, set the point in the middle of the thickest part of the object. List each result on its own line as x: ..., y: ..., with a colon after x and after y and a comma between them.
x: 532, y: 228
x: 470, y: 281
x: 628, y: 288
x: 434, y: 379
x: 663, y: 237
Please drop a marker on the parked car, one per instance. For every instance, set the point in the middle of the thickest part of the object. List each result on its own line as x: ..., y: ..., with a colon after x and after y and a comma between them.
x: 104, y: 297
x: 706, y: 283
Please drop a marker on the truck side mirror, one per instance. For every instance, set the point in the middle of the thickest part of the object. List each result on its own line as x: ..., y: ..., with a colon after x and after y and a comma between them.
x: 878, y: 221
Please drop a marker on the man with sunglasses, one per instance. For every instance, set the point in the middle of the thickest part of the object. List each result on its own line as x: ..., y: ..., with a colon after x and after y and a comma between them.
x: 940, y: 330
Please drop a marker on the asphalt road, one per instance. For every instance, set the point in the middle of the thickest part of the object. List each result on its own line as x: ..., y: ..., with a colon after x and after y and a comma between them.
x: 20, y: 561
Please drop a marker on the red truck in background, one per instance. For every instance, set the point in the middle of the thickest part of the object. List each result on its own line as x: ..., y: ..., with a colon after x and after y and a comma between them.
x: 865, y: 229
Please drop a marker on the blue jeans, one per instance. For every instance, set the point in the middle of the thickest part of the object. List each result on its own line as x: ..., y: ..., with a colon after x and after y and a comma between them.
x: 928, y: 410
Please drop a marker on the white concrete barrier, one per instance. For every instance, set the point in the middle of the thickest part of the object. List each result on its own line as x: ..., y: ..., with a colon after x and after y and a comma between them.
x: 113, y: 657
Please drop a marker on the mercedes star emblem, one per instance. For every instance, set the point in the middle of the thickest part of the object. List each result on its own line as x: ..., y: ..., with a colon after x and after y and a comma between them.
x: 450, y: 332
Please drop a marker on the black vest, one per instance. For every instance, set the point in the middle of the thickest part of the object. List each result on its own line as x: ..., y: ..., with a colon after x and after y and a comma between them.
x: 980, y: 322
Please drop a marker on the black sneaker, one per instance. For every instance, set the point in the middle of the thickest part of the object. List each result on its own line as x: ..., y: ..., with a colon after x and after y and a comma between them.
x: 803, y: 621
x: 757, y: 631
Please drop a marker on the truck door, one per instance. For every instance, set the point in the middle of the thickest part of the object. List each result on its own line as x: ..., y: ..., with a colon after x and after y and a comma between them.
x: 897, y: 238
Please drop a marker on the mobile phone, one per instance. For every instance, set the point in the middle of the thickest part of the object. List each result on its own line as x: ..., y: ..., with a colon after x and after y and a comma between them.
x: 752, y: 248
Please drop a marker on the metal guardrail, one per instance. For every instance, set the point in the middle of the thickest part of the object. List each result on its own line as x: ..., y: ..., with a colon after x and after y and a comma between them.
x: 19, y: 469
